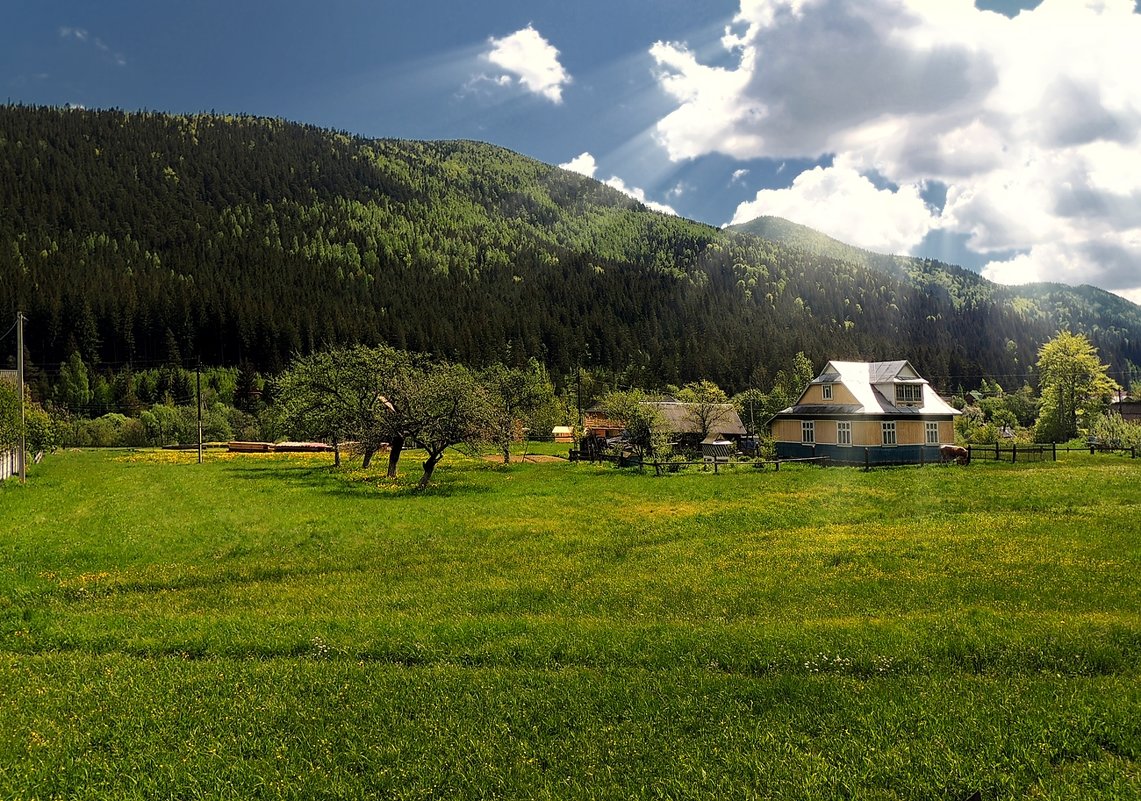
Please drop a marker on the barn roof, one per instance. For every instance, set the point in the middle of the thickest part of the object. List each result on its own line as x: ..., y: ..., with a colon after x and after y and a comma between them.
x: 680, y: 419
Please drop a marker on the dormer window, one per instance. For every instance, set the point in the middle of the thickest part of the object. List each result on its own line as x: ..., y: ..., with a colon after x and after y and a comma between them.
x: 826, y: 391
x: 908, y: 393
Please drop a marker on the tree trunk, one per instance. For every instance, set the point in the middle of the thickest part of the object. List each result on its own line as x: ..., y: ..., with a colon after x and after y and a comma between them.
x: 429, y: 466
x: 368, y: 452
x: 395, y: 447
x: 336, y: 453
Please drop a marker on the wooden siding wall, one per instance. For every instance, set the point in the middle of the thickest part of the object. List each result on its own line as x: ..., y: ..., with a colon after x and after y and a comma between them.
x: 866, y: 433
x: 814, y: 395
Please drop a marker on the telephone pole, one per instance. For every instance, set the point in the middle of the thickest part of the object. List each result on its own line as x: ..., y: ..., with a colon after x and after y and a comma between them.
x: 23, y: 454
x: 198, y: 390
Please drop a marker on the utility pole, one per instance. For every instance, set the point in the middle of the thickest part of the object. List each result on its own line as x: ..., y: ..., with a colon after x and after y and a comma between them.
x: 578, y: 394
x: 23, y: 454
x: 198, y: 384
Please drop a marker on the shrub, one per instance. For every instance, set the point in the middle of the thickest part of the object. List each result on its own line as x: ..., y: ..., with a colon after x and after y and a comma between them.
x: 1112, y: 430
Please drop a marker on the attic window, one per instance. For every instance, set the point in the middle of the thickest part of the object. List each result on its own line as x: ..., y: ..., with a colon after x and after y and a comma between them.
x: 826, y: 391
x: 908, y: 393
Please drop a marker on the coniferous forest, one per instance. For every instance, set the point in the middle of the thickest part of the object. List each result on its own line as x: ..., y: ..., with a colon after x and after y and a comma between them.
x: 139, y: 239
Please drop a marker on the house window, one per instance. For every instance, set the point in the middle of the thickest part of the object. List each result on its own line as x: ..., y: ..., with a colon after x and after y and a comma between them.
x: 932, y: 433
x: 826, y: 391
x: 889, y: 433
x: 844, y: 433
x: 807, y: 431
x: 908, y: 393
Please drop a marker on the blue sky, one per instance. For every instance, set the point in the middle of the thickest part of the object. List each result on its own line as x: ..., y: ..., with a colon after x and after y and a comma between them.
x: 1002, y: 134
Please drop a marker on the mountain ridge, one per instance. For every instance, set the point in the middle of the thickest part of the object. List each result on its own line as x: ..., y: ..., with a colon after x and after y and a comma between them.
x: 141, y: 238
x: 780, y: 229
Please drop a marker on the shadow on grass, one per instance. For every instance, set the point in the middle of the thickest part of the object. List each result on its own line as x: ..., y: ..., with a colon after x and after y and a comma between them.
x: 196, y: 581
x: 353, y: 482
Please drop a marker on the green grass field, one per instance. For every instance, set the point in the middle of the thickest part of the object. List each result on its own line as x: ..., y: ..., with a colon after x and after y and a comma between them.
x: 266, y: 627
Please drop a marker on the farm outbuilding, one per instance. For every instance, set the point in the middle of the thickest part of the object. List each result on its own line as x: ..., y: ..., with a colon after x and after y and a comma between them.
x: 682, y: 420
x: 1130, y: 410
x: 866, y: 412
x: 563, y: 434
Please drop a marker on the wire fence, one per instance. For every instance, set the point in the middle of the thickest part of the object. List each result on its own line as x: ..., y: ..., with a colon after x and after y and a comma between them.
x: 1014, y: 453
x: 1041, y: 451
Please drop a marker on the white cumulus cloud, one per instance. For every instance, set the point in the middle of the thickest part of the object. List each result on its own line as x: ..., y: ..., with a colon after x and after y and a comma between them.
x: 585, y: 164
x: 1032, y: 123
x: 846, y: 205
x: 531, y: 61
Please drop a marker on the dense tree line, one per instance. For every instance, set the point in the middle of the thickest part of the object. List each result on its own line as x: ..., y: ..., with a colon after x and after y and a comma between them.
x: 146, y: 239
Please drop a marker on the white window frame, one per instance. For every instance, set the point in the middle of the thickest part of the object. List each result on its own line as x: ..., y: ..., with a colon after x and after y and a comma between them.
x: 908, y: 393
x: 826, y: 391
x: 932, y: 430
x: 844, y: 432
x: 808, y: 432
x: 888, y: 433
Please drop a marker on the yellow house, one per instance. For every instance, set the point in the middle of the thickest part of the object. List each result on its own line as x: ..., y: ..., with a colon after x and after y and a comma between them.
x: 866, y: 412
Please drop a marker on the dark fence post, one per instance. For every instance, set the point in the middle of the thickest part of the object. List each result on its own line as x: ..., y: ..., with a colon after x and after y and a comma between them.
x: 1054, y: 450
x: 1013, y: 452
x: 969, y: 454
x: 867, y: 465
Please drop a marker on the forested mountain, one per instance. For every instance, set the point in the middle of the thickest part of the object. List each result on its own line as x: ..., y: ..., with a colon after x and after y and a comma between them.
x: 139, y: 238
x: 1110, y: 320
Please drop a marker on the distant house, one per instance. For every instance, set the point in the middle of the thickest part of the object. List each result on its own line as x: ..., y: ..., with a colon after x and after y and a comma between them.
x: 682, y: 420
x: 1130, y: 410
x: 885, y: 409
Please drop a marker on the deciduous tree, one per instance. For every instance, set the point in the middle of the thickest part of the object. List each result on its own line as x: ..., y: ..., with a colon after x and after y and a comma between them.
x: 451, y: 407
x: 642, y: 420
x: 74, y: 388
x: 1073, y: 382
x: 708, y: 405
x: 514, y: 393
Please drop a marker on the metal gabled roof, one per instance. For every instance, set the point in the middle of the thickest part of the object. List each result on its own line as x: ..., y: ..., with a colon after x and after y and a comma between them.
x: 862, y: 379
x: 815, y: 410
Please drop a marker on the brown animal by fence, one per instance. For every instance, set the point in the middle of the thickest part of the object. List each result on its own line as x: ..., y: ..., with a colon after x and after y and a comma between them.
x: 954, y: 453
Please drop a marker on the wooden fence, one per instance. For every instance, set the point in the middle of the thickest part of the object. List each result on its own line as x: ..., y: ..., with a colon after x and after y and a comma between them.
x: 1013, y: 453
x: 674, y: 466
x: 719, y: 464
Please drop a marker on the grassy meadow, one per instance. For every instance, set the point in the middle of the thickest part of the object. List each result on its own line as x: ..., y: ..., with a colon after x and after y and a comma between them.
x: 268, y: 627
